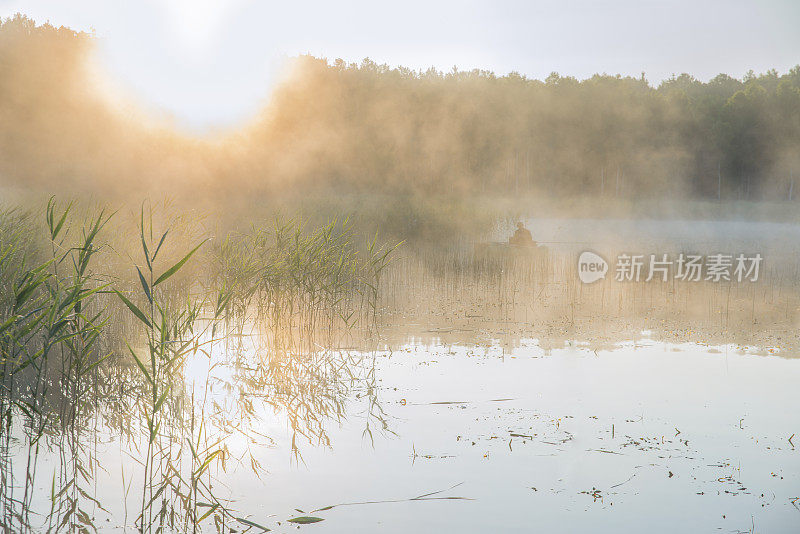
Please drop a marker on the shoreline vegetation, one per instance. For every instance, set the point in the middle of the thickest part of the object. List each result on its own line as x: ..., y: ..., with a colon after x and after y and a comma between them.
x: 95, y: 318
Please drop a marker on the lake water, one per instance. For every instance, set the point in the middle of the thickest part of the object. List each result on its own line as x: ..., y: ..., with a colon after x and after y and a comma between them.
x: 491, y: 406
x: 647, y: 436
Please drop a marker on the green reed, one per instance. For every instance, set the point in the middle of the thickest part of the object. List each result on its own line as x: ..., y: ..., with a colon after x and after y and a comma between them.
x: 302, y: 285
x: 302, y: 282
x: 51, y: 321
x: 174, y: 493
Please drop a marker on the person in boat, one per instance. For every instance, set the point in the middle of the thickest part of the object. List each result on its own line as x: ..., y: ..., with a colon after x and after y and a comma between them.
x: 522, y: 237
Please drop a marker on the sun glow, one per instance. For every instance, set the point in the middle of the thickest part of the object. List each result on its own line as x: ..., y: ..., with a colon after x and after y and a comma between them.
x: 192, y: 66
x: 197, y: 23
x: 120, y: 98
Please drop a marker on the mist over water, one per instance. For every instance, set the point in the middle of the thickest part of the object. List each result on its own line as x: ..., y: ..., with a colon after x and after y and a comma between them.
x: 334, y: 126
x: 361, y: 309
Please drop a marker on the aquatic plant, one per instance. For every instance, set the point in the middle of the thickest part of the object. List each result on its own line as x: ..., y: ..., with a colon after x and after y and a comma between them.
x: 302, y: 282
x: 50, y: 323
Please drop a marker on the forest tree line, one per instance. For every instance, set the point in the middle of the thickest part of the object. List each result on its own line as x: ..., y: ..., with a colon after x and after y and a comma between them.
x: 333, y: 125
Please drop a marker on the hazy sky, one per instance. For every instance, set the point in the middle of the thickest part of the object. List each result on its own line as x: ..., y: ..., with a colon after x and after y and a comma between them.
x: 212, y: 63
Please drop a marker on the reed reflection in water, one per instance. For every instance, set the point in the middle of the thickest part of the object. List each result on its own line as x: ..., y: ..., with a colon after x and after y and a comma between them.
x: 139, y: 399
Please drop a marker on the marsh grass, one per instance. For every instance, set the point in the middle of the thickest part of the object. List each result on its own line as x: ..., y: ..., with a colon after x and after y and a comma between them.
x: 479, y: 294
x: 51, y: 323
x: 294, y: 283
x: 175, y: 493
x: 306, y: 291
x: 87, y: 342
x: 305, y: 285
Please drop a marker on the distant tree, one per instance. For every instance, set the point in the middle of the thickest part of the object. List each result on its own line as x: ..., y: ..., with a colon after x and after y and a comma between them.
x: 369, y: 126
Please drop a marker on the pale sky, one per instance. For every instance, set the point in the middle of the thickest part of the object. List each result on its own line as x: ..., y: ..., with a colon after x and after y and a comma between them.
x: 212, y: 63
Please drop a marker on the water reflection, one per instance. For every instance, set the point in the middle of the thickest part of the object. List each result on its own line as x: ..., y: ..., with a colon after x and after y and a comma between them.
x: 479, y: 298
x: 215, y: 416
x: 567, y: 439
x: 500, y: 372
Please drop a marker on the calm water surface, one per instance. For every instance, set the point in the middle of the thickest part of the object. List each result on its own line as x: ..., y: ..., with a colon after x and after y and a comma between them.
x: 645, y: 437
x: 470, y: 426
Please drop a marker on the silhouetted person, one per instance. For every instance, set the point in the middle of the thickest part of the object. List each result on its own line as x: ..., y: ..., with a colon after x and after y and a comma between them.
x: 522, y: 237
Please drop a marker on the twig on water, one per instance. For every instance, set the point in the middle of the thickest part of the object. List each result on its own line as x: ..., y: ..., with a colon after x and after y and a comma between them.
x: 624, y: 482
x: 423, y: 497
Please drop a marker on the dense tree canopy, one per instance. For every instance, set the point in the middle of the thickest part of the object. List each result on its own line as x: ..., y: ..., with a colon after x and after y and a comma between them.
x: 368, y: 124
x: 371, y: 127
